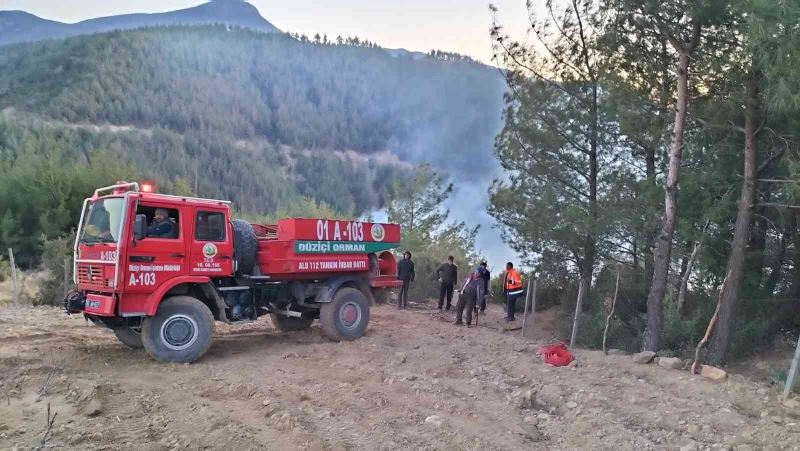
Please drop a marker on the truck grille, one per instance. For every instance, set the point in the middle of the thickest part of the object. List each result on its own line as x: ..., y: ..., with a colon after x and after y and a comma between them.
x: 90, y: 276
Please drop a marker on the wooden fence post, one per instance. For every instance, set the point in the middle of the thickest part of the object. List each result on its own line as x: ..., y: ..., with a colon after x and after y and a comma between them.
x: 67, y: 271
x: 790, y: 378
x: 14, y: 275
x: 611, y: 313
x: 577, y: 315
x: 533, y: 302
x: 525, y: 311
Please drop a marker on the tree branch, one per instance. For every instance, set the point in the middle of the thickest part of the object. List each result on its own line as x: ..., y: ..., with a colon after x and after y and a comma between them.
x: 764, y: 164
x: 550, y: 124
x: 558, y: 178
x: 547, y: 47
x: 584, y: 46
x: 694, y: 41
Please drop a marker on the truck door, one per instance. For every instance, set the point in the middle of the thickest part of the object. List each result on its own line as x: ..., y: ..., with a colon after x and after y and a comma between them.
x: 212, y: 251
x: 161, y: 254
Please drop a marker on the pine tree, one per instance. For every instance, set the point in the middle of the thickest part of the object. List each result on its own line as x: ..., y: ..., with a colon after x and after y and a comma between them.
x: 555, y: 139
x: 679, y: 23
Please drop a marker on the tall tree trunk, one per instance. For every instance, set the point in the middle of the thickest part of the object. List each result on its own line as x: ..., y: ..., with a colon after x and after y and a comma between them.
x: 684, y: 262
x: 665, y: 98
x: 655, y: 299
x: 591, y: 244
x: 757, y: 257
x: 721, y: 341
x: 650, y: 227
x: 587, y: 269
x: 776, y: 263
x: 684, y: 283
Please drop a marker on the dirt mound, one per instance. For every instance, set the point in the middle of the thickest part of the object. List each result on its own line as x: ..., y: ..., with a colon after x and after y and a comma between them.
x: 414, y: 382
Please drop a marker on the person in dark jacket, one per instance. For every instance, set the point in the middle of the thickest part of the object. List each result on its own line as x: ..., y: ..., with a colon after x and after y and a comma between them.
x: 161, y: 226
x: 405, y: 272
x: 448, y: 276
x: 487, y: 276
x: 471, y: 291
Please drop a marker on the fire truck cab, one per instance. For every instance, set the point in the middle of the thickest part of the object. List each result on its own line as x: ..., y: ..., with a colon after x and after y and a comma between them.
x: 159, y: 270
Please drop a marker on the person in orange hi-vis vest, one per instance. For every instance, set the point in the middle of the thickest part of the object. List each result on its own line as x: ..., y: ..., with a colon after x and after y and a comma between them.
x: 512, y: 287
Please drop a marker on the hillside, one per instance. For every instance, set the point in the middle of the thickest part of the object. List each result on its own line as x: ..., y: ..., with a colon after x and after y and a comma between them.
x: 19, y: 26
x: 225, y: 99
x: 249, y: 85
x: 261, y: 119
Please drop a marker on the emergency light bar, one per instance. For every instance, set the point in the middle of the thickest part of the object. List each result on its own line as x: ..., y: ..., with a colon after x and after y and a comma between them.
x: 120, y: 187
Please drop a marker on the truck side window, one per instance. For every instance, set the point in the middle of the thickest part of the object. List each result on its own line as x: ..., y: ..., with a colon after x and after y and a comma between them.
x: 209, y: 226
x: 161, y: 222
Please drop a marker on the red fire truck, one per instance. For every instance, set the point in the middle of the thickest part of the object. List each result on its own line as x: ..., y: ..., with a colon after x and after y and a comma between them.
x: 159, y: 270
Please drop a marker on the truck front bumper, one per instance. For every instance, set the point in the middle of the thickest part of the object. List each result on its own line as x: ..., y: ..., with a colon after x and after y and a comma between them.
x: 90, y: 304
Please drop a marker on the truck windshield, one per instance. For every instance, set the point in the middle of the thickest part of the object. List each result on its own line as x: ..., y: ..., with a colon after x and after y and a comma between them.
x: 101, y: 222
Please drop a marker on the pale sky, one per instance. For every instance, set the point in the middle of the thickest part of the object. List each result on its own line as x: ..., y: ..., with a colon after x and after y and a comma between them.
x: 454, y: 25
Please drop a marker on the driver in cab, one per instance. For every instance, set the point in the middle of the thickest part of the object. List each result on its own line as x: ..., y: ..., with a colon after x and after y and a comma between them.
x: 161, y: 227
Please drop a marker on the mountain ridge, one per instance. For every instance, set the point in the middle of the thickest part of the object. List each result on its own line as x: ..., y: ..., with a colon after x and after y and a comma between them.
x: 201, y: 90
x: 20, y: 26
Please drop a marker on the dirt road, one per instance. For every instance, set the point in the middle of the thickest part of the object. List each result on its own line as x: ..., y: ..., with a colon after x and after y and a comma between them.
x: 414, y: 382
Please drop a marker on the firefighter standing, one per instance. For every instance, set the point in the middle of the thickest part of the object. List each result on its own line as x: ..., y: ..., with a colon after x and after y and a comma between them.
x: 405, y: 272
x: 512, y: 287
x: 448, y: 277
x: 487, y: 276
x: 471, y: 292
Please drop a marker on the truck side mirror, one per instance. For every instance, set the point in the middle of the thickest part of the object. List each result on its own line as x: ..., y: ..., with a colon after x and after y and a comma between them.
x: 140, y: 227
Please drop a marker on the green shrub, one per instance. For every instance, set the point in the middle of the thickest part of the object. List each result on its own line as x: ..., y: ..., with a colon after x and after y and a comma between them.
x: 51, y: 288
x: 752, y: 335
x: 590, y: 330
x: 778, y: 375
x: 5, y: 269
x: 682, y: 333
x: 628, y: 322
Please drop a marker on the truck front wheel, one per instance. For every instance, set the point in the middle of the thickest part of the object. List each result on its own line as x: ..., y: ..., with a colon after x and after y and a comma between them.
x: 346, y: 317
x: 181, y: 331
x: 130, y: 337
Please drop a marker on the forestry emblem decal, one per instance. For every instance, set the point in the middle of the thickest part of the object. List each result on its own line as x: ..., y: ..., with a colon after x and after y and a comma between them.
x: 377, y: 232
x: 209, y: 250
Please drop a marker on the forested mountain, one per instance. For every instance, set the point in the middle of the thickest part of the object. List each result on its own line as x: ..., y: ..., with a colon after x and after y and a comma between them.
x: 19, y: 26
x: 250, y: 85
x: 261, y: 119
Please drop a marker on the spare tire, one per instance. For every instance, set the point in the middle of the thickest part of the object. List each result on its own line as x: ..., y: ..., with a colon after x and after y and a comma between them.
x: 245, y: 246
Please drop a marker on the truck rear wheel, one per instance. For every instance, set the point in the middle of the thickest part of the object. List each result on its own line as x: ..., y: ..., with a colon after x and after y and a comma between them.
x: 290, y: 323
x: 346, y: 317
x: 181, y: 331
x: 130, y: 337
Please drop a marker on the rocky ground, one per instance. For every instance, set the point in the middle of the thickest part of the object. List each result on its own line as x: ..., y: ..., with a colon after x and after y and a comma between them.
x: 414, y: 382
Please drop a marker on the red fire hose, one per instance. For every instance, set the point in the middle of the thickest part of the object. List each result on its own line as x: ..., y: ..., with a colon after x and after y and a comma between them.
x: 556, y: 354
